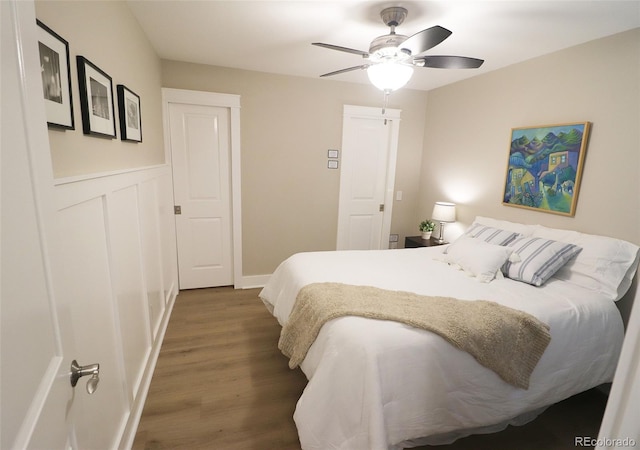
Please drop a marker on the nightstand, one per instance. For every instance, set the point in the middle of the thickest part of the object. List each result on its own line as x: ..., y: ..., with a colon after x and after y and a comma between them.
x: 417, y: 241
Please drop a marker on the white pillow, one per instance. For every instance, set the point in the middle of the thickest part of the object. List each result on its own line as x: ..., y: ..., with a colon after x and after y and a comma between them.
x: 478, y: 258
x: 606, y: 265
x: 539, y: 259
x: 491, y: 235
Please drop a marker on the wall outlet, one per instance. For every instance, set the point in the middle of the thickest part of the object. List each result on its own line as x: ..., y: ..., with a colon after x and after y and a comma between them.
x: 393, y: 238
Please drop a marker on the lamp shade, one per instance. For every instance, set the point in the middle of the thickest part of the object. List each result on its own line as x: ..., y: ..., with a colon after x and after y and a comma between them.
x: 389, y: 76
x: 444, y: 212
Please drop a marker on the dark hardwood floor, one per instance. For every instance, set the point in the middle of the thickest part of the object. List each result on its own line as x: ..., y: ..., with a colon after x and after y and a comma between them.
x: 221, y: 383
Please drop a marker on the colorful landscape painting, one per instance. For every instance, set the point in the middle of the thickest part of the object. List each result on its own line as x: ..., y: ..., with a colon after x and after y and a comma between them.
x: 545, y: 166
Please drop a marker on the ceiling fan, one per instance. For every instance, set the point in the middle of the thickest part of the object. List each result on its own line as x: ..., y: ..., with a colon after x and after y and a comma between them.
x: 391, y: 58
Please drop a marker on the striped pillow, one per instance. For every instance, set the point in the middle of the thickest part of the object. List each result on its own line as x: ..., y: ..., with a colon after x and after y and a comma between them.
x: 492, y: 235
x: 539, y: 259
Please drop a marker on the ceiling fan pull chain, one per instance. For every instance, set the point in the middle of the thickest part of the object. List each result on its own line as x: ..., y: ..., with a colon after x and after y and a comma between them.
x: 386, y: 101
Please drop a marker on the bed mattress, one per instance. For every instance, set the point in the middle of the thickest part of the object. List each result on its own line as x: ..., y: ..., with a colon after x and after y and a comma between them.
x: 376, y: 384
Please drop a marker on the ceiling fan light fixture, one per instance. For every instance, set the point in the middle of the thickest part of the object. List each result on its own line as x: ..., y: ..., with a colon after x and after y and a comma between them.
x: 392, y: 57
x: 389, y: 76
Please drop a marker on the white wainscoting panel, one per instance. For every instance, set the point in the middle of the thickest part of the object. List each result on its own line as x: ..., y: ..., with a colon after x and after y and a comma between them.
x: 150, y: 219
x: 167, y: 226
x: 129, y: 282
x: 83, y: 285
x: 117, y: 232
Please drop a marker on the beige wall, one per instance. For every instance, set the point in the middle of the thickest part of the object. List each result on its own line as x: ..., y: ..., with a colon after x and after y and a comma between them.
x: 289, y: 197
x: 453, y: 140
x: 468, y: 127
x: 107, y: 34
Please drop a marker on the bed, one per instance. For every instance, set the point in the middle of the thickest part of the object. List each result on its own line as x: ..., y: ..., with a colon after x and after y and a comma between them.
x: 381, y: 384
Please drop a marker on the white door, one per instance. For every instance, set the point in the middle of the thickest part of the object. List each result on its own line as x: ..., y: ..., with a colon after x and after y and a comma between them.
x: 619, y: 428
x: 367, y: 175
x: 42, y: 328
x: 200, y: 153
x: 31, y: 346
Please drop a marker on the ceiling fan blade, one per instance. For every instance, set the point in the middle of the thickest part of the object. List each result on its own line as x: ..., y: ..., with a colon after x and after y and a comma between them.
x: 349, y: 69
x: 449, y: 62
x: 425, y: 39
x: 342, y: 49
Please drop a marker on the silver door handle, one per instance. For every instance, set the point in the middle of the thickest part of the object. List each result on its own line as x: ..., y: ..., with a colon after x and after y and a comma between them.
x: 78, y: 371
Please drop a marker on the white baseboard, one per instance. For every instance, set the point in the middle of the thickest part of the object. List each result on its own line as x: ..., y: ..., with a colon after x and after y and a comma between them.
x: 252, y: 281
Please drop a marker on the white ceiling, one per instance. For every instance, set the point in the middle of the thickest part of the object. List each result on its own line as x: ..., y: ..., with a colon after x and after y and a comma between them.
x: 276, y: 36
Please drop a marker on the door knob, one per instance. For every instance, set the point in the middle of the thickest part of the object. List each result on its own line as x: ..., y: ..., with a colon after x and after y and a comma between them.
x: 78, y: 371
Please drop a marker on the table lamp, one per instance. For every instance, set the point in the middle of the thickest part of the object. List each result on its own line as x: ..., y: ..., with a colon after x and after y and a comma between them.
x: 443, y: 212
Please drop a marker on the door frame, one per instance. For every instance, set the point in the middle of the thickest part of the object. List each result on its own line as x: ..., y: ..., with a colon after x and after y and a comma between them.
x: 393, y: 115
x: 232, y: 102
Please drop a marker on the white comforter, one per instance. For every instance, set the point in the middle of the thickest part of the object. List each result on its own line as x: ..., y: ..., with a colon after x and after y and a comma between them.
x: 378, y: 384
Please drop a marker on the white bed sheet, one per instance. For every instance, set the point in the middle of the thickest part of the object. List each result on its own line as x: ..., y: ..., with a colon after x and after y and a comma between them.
x: 381, y: 385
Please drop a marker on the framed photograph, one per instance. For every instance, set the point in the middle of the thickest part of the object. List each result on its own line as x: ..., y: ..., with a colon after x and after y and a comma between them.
x: 333, y: 154
x: 96, y: 100
x: 545, y: 167
x: 332, y: 164
x: 130, y: 118
x: 55, y: 69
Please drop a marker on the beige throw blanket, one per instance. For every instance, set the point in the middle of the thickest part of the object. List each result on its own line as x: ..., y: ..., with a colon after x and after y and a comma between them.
x: 505, y: 340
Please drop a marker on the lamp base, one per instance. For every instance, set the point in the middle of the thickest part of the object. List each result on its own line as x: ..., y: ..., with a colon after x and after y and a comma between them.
x: 440, y: 238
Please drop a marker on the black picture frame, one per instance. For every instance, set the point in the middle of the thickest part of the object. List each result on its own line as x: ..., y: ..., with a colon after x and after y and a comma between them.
x: 55, y: 67
x: 96, y: 100
x: 130, y: 114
